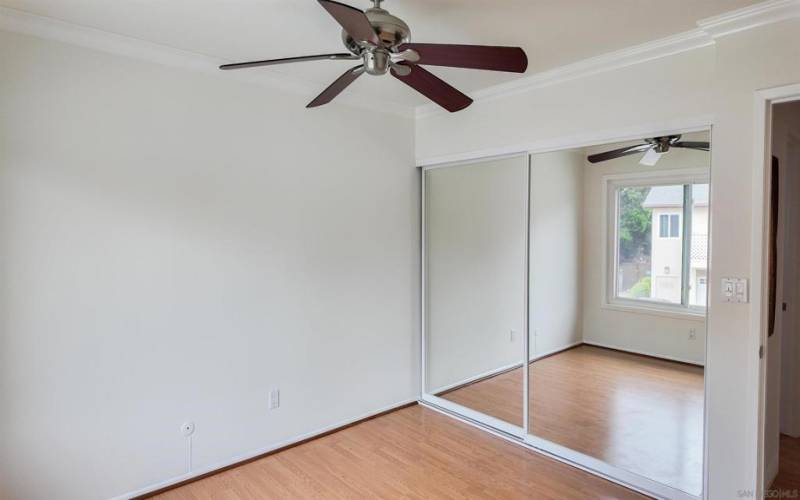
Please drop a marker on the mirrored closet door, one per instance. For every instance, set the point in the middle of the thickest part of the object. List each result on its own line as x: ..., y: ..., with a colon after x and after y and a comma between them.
x: 565, y: 300
x: 475, y: 241
x: 619, y: 270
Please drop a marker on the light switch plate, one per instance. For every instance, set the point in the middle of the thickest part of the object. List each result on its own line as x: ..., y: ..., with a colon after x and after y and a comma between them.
x: 735, y: 290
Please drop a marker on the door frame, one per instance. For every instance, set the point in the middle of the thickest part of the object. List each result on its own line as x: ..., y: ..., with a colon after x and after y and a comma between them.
x: 759, y: 318
x: 519, y: 435
x: 789, y: 320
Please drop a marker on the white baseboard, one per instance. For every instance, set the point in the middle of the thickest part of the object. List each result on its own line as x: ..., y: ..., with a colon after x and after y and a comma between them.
x: 771, y: 470
x: 487, y: 374
x: 502, y: 369
x: 644, y: 353
x: 556, y: 351
x: 256, y: 453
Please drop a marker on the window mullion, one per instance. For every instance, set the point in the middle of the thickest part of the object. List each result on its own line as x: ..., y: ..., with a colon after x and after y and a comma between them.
x: 688, y: 205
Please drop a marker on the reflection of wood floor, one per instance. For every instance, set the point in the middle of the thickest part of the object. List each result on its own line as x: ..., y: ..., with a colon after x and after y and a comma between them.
x: 413, y: 453
x: 788, y: 480
x: 641, y: 414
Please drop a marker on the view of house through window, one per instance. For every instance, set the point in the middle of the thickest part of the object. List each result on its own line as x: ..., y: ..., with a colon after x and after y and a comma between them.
x: 655, y: 261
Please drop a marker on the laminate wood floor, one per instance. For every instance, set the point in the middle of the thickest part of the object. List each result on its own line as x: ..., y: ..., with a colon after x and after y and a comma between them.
x: 413, y: 453
x: 787, y: 483
x: 638, y: 413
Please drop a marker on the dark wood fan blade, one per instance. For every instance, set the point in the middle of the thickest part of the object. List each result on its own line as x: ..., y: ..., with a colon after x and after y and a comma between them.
x: 285, y: 60
x: 511, y: 59
x: 433, y: 88
x: 703, y: 146
x: 618, y: 153
x: 337, y: 87
x: 354, y: 21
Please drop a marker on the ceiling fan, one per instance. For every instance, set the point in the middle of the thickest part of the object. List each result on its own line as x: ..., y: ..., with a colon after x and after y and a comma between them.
x: 381, y: 42
x: 653, y: 149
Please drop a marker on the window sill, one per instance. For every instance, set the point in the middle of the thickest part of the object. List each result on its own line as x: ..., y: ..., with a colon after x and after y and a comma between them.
x: 656, y: 310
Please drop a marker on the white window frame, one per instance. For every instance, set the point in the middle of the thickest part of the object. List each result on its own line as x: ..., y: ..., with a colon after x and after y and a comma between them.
x: 669, y: 225
x: 611, y: 228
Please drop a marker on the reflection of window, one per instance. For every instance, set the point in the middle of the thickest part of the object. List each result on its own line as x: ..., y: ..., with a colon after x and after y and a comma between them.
x: 657, y: 259
x: 669, y: 226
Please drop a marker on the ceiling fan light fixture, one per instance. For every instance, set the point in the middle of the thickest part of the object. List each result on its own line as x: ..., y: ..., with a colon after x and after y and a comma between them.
x: 382, y: 41
x: 651, y: 157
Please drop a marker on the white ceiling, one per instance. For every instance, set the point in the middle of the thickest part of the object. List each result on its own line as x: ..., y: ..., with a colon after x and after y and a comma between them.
x: 552, y: 32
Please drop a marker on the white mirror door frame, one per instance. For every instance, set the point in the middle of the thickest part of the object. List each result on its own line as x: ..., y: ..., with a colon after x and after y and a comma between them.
x: 442, y: 403
x: 516, y: 434
x: 762, y: 153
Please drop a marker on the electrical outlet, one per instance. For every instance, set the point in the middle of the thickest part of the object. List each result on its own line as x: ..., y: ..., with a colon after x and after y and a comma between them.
x: 187, y: 429
x: 692, y: 334
x: 274, y: 399
x: 512, y: 336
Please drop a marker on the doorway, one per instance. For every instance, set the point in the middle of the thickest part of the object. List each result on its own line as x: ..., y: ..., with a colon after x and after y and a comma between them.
x: 782, y: 406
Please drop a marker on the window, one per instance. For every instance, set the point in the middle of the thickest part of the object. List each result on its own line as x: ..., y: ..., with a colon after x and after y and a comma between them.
x: 669, y: 226
x: 660, y: 240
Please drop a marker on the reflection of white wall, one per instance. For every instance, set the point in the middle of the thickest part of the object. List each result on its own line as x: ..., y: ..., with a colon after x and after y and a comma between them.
x: 476, y: 230
x: 469, y: 333
x: 556, y: 250
x: 657, y: 335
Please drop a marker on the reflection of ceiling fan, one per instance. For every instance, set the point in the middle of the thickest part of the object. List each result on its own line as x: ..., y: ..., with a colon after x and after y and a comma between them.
x: 381, y: 41
x: 652, y: 149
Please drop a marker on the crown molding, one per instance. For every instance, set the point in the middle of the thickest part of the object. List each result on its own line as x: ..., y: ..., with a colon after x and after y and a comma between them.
x: 630, y: 56
x: 704, y: 35
x: 683, y: 125
x: 708, y: 31
x: 16, y: 21
x: 760, y: 14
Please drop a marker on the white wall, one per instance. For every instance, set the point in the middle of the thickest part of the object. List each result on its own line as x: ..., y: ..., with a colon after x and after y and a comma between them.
x: 760, y: 58
x: 568, y: 263
x: 172, y: 246
x: 556, y: 251
x: 719, y: 81
x: 662, y: 92
x: 648, y: 333
x: 476, y: 238
x: 475, y: 269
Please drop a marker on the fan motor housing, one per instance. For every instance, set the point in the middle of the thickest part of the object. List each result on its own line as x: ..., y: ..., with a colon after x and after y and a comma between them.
x: 662, y: 144
x: 392, y: 31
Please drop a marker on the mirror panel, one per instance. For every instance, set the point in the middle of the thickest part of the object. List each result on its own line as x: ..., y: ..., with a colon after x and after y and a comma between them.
x: 475, y: 269
x: 619, y: 263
